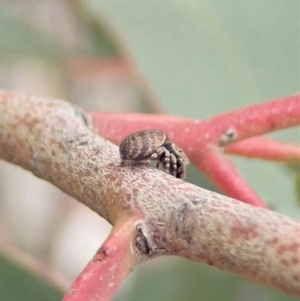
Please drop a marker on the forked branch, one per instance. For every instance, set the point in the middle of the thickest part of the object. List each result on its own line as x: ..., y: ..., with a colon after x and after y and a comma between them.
x: 153, y: 213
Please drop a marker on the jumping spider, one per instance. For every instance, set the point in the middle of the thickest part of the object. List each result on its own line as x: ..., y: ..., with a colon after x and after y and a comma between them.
x: 153, y: 145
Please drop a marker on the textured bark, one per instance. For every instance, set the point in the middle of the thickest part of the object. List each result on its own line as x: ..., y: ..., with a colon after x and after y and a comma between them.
x: 54, y: 140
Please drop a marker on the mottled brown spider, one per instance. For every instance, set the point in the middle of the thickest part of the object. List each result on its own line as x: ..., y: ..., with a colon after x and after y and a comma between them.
x: 153, y: 145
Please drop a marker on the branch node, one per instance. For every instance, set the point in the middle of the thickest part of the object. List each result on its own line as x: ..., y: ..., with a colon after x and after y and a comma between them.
x: 101, y: 255
x: 229, y: 136
x: 141, y: 242
x: 87, y: 121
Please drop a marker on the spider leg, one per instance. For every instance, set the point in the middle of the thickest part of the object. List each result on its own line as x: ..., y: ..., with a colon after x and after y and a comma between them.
x: 154, y: 156
x: 181, y: 169
x: 166, y: 160
x: 157, y: 153
x: 173, y: 167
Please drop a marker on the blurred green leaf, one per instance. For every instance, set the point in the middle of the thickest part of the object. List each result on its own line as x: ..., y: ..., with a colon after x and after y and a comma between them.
x: 18, y: 284
x: 100, y: 39
x: 207, y: 57
x: 272, y: 182
x: 174, y: 279
x: 17, y: 37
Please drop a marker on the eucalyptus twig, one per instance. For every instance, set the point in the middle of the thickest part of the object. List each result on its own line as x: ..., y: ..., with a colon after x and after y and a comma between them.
x: 265, y: 148
x: 152, y: 213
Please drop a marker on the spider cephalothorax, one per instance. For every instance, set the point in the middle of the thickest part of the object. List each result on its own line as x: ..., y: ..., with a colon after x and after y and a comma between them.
x: 153, y: 145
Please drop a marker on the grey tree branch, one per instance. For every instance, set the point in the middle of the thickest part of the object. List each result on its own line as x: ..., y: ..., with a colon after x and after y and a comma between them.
x: 55, y: 141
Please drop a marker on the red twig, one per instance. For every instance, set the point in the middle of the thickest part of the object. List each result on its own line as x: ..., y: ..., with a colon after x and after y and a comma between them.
x: 108, y: 269
x: 265, y: 148
x: 221, y: 170
x: 204, y: 141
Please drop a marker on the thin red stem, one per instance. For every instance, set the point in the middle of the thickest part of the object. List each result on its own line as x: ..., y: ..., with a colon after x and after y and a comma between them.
x: 265, y: 148
x: 220, y: 169
x: 105, y: 273
x: 261, y: 118
x: 248, y: 122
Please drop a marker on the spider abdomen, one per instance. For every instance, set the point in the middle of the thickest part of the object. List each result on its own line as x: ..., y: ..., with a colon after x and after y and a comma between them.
x: 141, y: 145
x: 151, y: 145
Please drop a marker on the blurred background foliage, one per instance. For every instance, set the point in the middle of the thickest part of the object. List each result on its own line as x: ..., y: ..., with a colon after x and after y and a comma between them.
x: 190, y: 58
